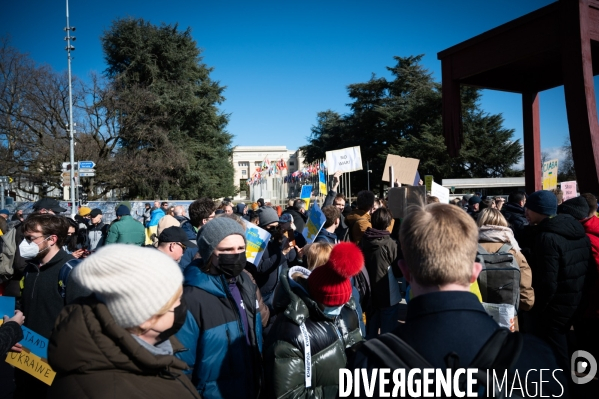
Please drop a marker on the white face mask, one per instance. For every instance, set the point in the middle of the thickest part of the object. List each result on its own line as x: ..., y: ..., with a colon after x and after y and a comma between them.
x: 29, y: 250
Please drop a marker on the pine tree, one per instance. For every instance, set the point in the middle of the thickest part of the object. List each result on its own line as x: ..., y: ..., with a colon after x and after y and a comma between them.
x: 402, y: 116
x: 168, y: 111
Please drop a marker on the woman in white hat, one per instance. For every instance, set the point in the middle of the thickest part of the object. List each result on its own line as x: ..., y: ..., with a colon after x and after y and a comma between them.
x: 120, y: 341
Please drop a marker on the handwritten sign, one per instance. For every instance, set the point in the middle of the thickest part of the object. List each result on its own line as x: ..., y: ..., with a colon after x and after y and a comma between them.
x: 32, y: 359
x: 569, y: 189
x: 316, y: 219
x: 344, y: 160
x: 32, y: 364
x: 404, y: 169
x: 256, y: 241
x: 550, y: 174
x: 34, y: 342
x: 7, y: 307
x: 428, y: 183
x: 322, y: 181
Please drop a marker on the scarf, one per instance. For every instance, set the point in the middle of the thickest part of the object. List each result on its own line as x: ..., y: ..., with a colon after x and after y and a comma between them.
x: 163, y: 348
x: 489, y: 233
x: 371, y: 233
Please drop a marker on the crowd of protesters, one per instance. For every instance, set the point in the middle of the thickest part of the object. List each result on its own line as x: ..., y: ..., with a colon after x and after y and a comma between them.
x: 171, y: 307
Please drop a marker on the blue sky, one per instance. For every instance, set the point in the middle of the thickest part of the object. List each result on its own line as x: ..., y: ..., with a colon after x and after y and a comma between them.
x: 284, y: 61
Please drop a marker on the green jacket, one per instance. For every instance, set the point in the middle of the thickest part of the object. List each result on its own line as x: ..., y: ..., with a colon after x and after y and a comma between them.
x: 285, y: 369
x: 126, y: 231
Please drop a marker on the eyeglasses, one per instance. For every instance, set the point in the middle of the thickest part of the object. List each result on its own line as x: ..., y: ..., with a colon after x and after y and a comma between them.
x: 32, y: 239
x: 182, y: 245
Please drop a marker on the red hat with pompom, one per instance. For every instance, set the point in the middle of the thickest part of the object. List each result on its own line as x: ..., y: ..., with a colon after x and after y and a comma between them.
x: 329, y: 284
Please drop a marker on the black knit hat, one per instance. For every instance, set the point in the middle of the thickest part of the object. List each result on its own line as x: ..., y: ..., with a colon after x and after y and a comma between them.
x: 578, y: 207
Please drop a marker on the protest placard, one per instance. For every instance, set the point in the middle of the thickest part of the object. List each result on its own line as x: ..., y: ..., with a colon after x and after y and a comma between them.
x: 322, y: 181
x: 316, y: 220
x: 569, y: 189
x: 344, y: 160
x: 32, y: 364
x: 256, y: 240
x: 404, y: 169
x: 402, y: 197
x: 440, y: 192
x: 33, y: 358
x: 428, y: 183
x: 550, y: 174
x: 306, y: 194
x: 7, y: 307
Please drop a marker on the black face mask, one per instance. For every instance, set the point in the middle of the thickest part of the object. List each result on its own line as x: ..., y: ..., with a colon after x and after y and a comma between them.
x: 231, y: 265
x: 180, y: 315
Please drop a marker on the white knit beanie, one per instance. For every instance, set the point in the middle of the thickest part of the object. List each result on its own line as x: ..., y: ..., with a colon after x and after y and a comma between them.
x: 133, y: 282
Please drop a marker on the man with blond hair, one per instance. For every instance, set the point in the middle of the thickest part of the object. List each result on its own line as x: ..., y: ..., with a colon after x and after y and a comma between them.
x: 446, y: 324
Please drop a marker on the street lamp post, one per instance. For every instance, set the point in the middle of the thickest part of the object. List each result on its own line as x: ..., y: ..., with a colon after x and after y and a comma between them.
x: 368, y: 172
x: 70, y: 48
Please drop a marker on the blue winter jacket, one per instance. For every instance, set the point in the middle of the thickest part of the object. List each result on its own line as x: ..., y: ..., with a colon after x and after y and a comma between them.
x: 224, y: 365
x: 155, y: 217
x: 189, y: 253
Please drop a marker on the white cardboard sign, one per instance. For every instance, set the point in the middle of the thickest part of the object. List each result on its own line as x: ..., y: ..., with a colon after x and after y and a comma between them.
x: 344, y: 160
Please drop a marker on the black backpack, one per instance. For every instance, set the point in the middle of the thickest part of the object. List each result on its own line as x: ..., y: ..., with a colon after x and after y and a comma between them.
x: 499, y: 280
x: 499, y: 353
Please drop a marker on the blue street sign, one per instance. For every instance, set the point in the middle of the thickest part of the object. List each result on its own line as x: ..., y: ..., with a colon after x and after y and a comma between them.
x: 86, y: 164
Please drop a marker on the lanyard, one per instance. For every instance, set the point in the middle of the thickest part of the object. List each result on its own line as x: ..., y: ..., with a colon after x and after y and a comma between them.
x: 307, y: 355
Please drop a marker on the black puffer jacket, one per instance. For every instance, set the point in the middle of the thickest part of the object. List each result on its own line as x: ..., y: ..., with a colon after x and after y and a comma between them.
x: 514, y: 214
x: 329, y: 340
x: 380, y: 252
x: 559, y: 253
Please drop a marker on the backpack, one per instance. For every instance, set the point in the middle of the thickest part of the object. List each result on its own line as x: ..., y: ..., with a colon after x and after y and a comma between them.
x: 63, y: 276
x: 499, y: 280
x: 8, y: 248
x: 499, y: 353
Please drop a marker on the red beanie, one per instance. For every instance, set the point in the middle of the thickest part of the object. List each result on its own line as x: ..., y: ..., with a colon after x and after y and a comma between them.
x: 329, y: 284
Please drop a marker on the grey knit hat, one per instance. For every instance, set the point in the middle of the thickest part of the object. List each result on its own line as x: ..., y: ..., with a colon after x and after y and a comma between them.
x: 267, y: 216
x: 133, y: 282
x: 214, y: 232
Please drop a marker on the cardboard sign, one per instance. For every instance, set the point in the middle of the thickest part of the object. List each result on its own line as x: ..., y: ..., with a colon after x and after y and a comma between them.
x: 34, y: 342
x: 7, y: 307
x: 569, y: 189
x: 32, y: 364
x: 322, y: 181
x: 344, y: 160
x: 416, y: 179
x: 33, y: 357
x: 306, y: 194
x: 316, y: 219
x: 428, y: 183
x: 440, y: 192
x: 402, y: 197
x: 550, y: 174
x: 256, y: 240
x: 405, y: 169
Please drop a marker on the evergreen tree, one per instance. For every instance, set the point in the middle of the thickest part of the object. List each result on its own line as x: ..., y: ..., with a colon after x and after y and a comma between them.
x: 403, y: 117
x: 168, y: 111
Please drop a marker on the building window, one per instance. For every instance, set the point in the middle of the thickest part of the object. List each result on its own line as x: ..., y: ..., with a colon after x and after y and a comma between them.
x: 244, y: 164
x: 291, y: 163
x: 244, y: 172
x: 258, y: 163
